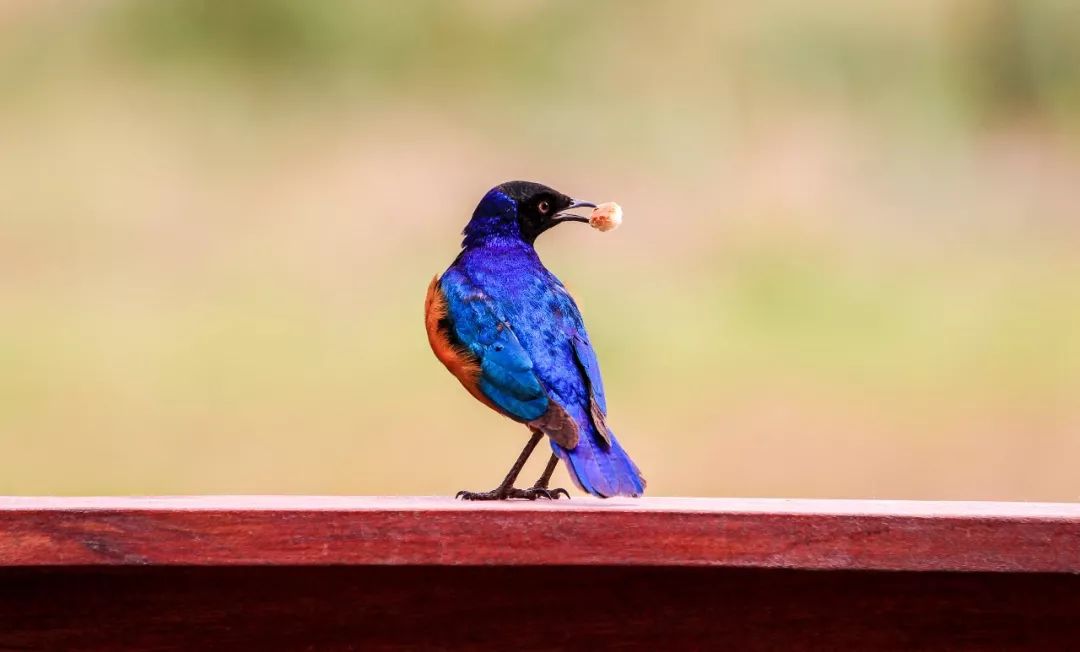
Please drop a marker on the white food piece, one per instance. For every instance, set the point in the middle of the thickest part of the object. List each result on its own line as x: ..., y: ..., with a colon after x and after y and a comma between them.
x: 606, y: 216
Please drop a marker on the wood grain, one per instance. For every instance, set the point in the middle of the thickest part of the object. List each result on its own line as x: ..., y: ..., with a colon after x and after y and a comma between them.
x: 280, y: 573
x: 735, y: 533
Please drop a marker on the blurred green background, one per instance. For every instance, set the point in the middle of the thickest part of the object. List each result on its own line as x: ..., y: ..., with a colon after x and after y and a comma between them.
x: 850, y: 265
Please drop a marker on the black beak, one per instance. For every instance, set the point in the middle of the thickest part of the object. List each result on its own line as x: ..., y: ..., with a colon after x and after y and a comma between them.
x: 564, y: 216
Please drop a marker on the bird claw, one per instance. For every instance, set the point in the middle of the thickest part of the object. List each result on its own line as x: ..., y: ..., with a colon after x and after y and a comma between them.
x: 532, y: 493
x: 494, y: 494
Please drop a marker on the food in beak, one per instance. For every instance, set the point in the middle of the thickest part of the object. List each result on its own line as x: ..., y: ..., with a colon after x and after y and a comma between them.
x: 606, y: 216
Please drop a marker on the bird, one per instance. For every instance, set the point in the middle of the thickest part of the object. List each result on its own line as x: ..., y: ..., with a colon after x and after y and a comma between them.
x: 509, y: 331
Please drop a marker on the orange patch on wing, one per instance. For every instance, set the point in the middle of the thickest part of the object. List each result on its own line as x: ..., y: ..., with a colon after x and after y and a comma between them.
x: 462, y: 364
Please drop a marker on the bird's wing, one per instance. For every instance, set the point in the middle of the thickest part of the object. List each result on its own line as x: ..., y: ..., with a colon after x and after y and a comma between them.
x: 584, y: 357
x: 470, y: 336
x: 590, y: 369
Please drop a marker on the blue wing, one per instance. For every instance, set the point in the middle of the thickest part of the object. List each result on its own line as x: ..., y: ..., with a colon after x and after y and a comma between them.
x: 587, y: 359
x: 506, y: 374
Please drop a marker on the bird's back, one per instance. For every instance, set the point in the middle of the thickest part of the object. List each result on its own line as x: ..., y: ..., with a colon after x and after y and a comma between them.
x: 538, y: 309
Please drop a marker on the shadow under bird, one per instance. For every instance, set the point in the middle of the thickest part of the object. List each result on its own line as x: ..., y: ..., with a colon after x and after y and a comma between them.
x: 507, y: 328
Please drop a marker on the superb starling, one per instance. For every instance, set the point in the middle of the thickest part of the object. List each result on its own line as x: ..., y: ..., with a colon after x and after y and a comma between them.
x: 507, y: 328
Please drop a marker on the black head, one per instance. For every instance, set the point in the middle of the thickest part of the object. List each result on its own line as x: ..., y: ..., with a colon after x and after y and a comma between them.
x: 522, y: 208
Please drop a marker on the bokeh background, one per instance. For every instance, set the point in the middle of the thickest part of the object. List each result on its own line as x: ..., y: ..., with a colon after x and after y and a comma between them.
x: 850, y: 265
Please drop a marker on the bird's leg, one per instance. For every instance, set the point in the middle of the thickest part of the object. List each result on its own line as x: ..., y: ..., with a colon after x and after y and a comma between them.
x: 540, y: 488
x: 506, y: 487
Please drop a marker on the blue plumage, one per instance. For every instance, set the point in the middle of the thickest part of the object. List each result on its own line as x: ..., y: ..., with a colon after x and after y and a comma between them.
x: 523, y: 332
x: 507, y: 376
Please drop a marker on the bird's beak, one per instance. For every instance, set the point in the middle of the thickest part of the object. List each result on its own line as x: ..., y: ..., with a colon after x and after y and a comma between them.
x: 564, y: 216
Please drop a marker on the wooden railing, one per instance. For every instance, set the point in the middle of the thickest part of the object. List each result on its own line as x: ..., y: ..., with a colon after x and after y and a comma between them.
x: 327, y: 573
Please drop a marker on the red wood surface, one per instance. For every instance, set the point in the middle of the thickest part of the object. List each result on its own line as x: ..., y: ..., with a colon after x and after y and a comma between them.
x: 791, y: 534
x: 327, y: 573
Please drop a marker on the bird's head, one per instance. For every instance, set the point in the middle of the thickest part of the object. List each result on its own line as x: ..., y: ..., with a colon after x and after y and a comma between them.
x: 522, y: 210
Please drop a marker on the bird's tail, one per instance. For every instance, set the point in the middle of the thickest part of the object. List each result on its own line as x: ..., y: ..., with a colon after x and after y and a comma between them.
x: 601, y: 470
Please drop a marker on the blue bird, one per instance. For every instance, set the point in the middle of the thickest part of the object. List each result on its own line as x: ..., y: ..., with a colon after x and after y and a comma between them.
x: 509, y: 331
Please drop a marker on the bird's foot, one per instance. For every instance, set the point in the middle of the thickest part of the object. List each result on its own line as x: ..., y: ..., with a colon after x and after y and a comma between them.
x: 532, y: 493
x: 499, y: 493
x: 505, y: 493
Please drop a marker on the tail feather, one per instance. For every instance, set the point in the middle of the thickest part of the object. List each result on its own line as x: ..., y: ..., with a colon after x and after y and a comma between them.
x: 600, y: 470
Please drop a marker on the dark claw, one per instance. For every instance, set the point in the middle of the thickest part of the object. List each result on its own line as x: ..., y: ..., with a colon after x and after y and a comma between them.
x: 494, y: 494
x: 532, y: 493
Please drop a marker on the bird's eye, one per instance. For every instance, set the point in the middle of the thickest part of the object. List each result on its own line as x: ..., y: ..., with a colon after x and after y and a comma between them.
x: 544, y: 206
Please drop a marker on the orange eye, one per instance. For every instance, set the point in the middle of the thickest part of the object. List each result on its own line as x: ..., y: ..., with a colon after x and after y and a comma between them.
x: 544, y: 206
